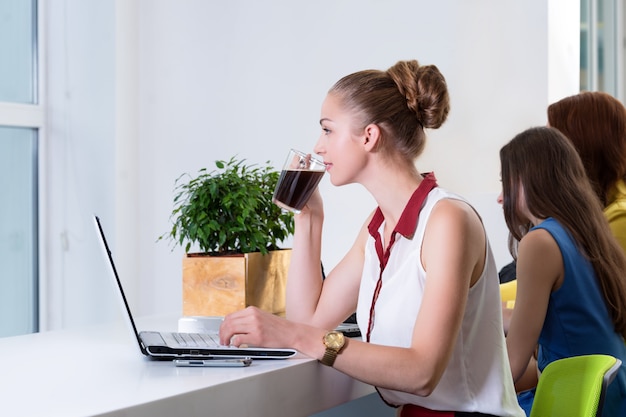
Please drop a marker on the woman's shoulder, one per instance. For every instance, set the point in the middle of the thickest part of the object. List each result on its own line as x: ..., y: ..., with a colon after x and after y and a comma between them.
x: 439, y: 193
x: 557, y: 231
x: 539, y: 238
x: 547, y: 234
x: 451, y: 202
x: 616, y: 206
x: 448, y: 201
x: 549, y: 224
x: 451, y: 211
x: 539, y: 257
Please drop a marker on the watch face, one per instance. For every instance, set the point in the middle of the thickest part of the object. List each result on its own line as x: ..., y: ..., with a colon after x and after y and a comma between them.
x: 334, y: 340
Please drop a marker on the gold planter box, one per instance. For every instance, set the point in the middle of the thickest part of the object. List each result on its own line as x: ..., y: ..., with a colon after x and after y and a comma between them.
x: 219, y: 285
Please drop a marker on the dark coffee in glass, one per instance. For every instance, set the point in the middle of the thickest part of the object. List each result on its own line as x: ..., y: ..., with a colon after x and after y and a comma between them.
x: 298, y: 179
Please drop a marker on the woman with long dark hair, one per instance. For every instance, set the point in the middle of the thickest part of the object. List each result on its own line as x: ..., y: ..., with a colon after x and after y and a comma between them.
x: 571, y: 290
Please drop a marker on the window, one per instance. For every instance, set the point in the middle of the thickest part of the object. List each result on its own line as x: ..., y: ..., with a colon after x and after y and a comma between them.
x: 20, y: 124
x: 602, y: 46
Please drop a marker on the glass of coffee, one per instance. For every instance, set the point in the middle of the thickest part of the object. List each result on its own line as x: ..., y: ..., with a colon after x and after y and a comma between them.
x: 298, y: 179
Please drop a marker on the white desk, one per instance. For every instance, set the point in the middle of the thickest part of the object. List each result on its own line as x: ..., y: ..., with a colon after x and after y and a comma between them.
x: 89, y: 372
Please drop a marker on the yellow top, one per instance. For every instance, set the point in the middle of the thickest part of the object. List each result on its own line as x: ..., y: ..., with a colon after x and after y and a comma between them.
x: 615, y: 212
x: 508, y: 291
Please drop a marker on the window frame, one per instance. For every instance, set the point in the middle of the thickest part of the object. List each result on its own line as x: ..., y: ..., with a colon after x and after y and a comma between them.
x: 613, y: 44
x: 33, y: 116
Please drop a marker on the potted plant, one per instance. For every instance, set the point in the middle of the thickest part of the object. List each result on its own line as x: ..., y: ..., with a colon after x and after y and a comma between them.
x: 231, y: 231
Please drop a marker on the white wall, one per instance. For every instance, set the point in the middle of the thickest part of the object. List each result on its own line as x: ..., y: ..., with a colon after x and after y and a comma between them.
x: 217, y: 79
x: 79, y: 159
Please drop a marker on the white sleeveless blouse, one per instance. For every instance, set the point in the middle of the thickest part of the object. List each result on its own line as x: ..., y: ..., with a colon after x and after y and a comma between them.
x: 478, y: 376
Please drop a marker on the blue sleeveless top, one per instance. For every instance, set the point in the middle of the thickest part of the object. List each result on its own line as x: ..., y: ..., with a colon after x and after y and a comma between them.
x: 577, y: 321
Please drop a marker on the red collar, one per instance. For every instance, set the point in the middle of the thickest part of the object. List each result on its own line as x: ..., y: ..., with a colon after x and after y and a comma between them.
x: 408, y: 220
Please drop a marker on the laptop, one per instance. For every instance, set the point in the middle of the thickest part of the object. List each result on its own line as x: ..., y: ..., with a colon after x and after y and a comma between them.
x: 177, y: 345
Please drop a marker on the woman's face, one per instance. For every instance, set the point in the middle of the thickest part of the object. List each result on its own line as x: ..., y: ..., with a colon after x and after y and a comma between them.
x: 338, y: 144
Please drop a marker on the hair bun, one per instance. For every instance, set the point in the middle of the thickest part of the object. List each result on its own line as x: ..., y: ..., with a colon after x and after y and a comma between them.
x: 425, y: 90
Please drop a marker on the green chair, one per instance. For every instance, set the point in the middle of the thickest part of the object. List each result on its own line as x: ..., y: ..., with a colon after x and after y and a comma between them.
x: 574, y: 387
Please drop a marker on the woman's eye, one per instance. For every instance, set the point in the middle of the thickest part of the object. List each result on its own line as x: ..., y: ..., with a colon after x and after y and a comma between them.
x: 326, y: 131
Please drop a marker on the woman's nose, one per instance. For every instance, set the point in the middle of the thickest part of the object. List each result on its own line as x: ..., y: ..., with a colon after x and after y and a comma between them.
x: 318, y: 148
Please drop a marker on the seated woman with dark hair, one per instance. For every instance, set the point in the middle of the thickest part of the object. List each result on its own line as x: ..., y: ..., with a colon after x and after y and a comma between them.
x: 571, y: 295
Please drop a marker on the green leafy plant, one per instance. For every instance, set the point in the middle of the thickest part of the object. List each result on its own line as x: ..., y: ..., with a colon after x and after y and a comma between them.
x: 229, y: 210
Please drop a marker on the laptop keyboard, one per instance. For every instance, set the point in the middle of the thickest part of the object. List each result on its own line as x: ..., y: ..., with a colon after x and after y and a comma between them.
x: 195, y: 339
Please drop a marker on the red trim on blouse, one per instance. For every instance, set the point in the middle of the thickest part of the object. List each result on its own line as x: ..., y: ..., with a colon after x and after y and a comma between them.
x: 412, y: 410
x: 407, y: 224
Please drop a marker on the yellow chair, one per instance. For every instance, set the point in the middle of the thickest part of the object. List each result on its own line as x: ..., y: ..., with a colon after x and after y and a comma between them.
x: 575, y: 386
x: 508, y: 290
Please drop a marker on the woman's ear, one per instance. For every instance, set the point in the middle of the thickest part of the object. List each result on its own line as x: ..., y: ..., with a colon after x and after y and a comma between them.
x: 371, y: 136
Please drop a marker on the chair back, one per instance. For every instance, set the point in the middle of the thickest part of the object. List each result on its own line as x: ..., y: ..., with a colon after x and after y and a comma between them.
x: 575, y: 386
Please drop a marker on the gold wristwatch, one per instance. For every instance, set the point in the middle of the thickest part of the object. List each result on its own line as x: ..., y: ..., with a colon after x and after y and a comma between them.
x: 334, y: 342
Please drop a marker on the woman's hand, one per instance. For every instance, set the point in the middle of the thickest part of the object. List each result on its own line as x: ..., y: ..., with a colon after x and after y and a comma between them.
x: 255, y: 327
x: 315, y: 205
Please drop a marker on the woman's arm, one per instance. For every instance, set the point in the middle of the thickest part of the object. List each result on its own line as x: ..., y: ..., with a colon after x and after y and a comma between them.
x: 453, y: 255
x: 539, y: 271
x: 310, y: 300
x: 304, y: 280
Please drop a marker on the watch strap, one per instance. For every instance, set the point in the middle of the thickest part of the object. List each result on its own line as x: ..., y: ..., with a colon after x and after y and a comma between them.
x: 329, y: 357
